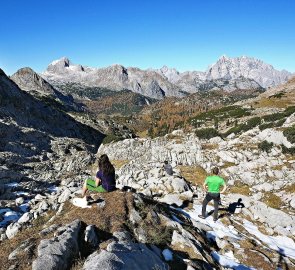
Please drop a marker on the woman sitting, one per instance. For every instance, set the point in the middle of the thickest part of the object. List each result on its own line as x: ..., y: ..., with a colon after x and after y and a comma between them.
x: 105, y: 177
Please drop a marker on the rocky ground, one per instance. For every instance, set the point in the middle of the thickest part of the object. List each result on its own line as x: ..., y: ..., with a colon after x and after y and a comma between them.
x: 151, y: 221
x: 155, y: 225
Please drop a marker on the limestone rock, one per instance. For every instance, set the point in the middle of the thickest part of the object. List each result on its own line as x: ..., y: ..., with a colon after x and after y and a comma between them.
x: 58, y: 253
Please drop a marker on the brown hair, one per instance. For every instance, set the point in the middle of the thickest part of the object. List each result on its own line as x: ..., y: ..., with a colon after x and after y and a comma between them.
x: 215, y: 170
x: 106, y: 166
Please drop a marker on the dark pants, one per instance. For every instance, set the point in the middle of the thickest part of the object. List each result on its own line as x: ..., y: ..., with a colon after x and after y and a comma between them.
x: 211, y: 196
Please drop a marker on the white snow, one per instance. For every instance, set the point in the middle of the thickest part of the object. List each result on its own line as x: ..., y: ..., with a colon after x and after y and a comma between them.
x: 168, y: 255
x: 9, y: 216
x: 53, y: 189
x: 12, y: 184
x: 282, y: 244
x: 228, y: 261
x: 220, y: 230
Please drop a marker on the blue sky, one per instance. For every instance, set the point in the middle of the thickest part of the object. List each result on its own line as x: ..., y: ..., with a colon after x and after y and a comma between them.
x: 187, y: 35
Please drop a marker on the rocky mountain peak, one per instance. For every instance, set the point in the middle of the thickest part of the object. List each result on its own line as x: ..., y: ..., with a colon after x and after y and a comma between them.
x: 171, y: 81
x: 247, y: 67
x: 28, y: 80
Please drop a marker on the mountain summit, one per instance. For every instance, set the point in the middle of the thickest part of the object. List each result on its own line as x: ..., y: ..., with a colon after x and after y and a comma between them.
x: 226, y: 74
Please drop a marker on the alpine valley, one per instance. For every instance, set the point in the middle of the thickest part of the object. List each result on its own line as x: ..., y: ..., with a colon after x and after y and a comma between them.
x: 238, y: 115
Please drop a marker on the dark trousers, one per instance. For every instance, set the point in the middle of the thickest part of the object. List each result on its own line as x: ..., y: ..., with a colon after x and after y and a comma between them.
x: 211, y: 196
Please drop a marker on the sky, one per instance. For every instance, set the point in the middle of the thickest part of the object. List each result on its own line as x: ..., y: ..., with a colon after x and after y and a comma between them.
x: 186, y: 35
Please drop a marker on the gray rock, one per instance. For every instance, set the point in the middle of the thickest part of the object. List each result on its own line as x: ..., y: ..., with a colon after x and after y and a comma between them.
x: 25, y: 247
x: 57, y: 253
x: 186, y: 240
x: 90, y: 236
x: 134, y: 216
x: 12, y: 230
x: 50, y: 229
x: 64, y: 196
x: 19, y: 201
x: 25, y: 218
x: 123, y: 236
x: 127, y: 256
x: 140, y: 234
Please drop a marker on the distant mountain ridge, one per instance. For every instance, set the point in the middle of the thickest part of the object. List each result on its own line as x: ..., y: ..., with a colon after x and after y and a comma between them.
x: 228, y: 74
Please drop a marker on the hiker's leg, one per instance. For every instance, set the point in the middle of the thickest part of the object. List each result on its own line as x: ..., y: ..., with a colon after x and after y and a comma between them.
x: 84, y: 188
x: 207, y: 199
x: 216, y: 199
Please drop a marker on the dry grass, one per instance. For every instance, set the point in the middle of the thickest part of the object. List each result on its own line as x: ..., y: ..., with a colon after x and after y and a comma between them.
x: 142, y: 134
x: 227, y: 165
x: 118, y: 163
x: 278, y: 167
x: 274, y: 102
x: 209, y: 146
x: 7, y: 246
x: 290, y: 188
x: 272, y: 200
x: 193, y: 174
x: 188, y: 250
x: 111, y: 218
x: 240, y: 188
x: 255, y: 259
x: 174, y: 137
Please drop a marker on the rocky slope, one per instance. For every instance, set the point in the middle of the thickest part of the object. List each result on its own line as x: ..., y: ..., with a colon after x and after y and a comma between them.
x: 28, y: 80
x: 229, y: 74
x: 34, y: 135
x: 155, y: 226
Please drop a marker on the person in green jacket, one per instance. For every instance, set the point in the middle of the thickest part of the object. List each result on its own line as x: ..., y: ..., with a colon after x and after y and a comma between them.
x: 212, y: 185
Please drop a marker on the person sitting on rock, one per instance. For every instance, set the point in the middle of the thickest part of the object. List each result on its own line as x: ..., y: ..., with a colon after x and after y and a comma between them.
x: 212, y: 185
x: 105, y: 177
x: 167, y: 168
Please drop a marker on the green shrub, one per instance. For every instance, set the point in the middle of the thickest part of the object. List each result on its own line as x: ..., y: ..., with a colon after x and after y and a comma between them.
x: 251, y: 123
x: 220, y: 114
x: 111, y: 138
x: 273, y: 117
x: 207, y: 133
x: 290, y: 134
x: 288, y: 111
x: 278, y: 95
x: 272, y: 124
x: 286, y: 150
x: 265, y: 146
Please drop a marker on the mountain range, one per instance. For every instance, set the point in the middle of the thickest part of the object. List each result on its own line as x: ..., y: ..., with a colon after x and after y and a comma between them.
x: 227, y: 74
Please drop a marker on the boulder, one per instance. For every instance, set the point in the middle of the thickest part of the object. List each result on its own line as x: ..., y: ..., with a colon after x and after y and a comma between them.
x: 64, y: 196
x: 12, y: 230
x: 124, y: 256
x: 25, y: 218
x: 90, y: 236
x: 58, y: 253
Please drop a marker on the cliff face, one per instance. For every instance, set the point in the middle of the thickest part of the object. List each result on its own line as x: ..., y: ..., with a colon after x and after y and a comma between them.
x: 30, y: 128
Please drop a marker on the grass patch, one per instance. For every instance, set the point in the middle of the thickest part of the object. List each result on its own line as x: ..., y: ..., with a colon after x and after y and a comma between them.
x: 274, y: 102
x: 209, y: 146
x: 272, y: 200
x: 290, y: 188
x: 8, y: 245
x: 194, y: 174
x: 111, y: 138
x: 240, y: 188
x: 111, y: 218
x: 118, y: 163
x: 227, y: 165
